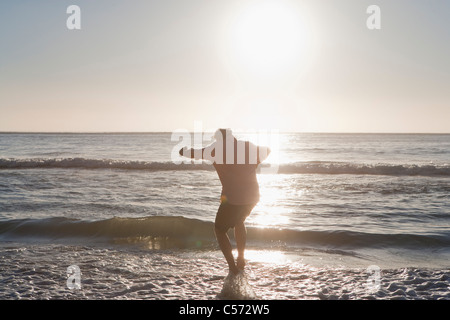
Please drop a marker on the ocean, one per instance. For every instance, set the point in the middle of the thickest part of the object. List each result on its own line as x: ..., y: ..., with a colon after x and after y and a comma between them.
x: 116, y: 216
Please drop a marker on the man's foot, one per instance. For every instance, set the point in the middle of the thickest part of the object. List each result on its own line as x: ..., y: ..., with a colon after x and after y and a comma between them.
x: 240, y: 263
x: 234, y: 270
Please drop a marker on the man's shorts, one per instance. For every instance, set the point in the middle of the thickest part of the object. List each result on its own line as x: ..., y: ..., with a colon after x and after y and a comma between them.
x: 229, y: 215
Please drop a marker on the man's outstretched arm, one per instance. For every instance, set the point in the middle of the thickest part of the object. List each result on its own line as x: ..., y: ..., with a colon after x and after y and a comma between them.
x: 192, y: 153
x: 206, y: 153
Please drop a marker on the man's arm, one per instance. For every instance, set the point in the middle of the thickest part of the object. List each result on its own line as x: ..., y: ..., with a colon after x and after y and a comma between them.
x: 192, y: 153
x: 206, y: 153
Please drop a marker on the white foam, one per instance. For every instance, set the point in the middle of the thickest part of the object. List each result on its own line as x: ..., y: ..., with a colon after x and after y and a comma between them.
x: 311, y: 167
x: 36, y: 273
x: 236, y: 287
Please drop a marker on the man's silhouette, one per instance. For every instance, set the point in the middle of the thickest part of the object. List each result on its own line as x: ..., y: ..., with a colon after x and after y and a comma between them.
x: 235, y: 162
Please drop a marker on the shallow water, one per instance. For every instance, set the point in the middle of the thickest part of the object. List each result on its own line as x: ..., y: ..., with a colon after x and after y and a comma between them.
x: 37, y: 272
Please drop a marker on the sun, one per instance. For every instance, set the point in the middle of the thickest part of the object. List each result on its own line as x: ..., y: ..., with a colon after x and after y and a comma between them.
x: 268, y: 37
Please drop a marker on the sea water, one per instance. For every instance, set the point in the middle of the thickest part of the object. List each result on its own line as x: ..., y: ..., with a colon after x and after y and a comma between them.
x: 139, y: 226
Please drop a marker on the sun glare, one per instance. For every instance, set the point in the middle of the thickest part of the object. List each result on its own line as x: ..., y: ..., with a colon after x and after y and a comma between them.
x: 269, y: 213
x: 268, y: 37
x: 268, y: 138
x: 267, y: 256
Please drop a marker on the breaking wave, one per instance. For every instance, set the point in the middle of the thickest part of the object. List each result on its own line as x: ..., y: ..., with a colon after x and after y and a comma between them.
x: 162, y: 232
x: 311, y: 167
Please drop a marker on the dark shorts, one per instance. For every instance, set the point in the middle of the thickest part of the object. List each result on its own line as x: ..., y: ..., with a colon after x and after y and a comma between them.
x: 229, y: 215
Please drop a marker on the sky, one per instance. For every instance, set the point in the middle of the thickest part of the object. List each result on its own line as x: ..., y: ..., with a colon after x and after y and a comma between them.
x: 286, y: 65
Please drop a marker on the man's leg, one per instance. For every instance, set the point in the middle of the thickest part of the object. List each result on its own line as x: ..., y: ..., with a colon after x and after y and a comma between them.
x: 240, y: 235
x: 225, y: 246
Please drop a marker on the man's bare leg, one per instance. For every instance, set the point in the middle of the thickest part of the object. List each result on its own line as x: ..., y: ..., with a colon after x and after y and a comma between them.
x: 240, y: 234
x: 225, y: 246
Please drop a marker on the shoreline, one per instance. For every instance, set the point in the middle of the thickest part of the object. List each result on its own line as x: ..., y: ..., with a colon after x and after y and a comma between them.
x: 39, y: 272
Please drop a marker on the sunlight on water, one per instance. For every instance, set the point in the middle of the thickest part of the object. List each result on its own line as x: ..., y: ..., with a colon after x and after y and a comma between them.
x: 276, y: 191
x: 266, y: 216
x: 267, y: 256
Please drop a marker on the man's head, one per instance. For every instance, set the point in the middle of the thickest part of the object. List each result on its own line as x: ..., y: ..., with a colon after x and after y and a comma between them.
x: 221, y: 134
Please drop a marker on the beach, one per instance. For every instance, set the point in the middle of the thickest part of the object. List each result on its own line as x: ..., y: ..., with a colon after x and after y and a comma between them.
x: 343, y: 216
x: 37, y: 272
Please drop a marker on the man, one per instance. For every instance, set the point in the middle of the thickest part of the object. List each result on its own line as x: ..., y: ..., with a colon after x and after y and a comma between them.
x: 236, y: 163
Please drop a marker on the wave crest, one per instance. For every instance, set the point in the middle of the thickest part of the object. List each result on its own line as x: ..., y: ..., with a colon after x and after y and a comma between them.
x: 311, y: 167
x: 178, y: 232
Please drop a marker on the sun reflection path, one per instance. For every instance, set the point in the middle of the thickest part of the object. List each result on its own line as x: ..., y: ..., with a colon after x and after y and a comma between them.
x: 272, y: 210
x: 267, y: 256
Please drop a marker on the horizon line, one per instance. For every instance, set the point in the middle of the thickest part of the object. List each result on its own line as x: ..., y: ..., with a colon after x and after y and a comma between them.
x: 251, y: 130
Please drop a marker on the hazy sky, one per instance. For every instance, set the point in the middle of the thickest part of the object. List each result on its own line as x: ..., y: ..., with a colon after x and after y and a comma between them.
x: 245, y: 64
